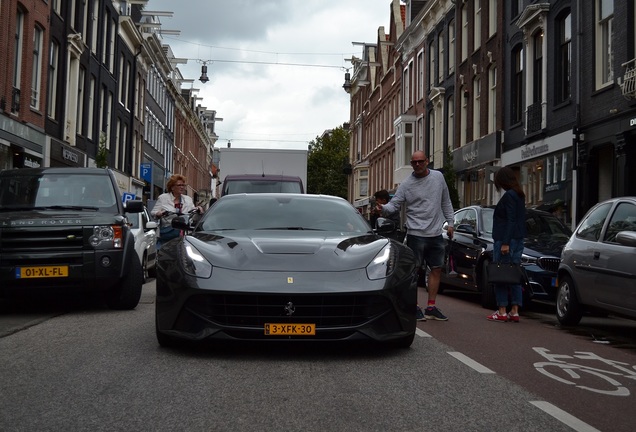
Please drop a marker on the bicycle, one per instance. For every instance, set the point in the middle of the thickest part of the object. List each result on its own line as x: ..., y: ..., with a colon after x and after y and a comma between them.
x: 575, y: 371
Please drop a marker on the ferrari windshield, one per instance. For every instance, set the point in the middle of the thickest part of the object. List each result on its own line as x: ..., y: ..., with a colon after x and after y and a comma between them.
x: 283, y: 211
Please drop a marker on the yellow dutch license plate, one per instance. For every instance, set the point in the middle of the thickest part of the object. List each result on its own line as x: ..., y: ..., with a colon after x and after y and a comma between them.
x: 276, y: 329
x: 41, y: 272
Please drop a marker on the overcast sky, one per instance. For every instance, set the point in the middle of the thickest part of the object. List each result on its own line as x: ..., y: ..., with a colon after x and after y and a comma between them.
x: 277, y: 104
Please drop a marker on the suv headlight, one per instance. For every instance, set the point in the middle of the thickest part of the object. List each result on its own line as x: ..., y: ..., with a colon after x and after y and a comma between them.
x: 107, y: 236
x: 383, y: 264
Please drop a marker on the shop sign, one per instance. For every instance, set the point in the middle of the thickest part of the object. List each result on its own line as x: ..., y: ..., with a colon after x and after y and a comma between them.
x: 70, y: 156
x: 30, y: 163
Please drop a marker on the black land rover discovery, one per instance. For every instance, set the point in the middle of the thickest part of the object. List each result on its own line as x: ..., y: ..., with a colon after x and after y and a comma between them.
x: 64, y: 230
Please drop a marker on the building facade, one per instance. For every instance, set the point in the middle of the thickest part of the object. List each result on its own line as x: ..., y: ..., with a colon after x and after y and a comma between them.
x: 24, y: 39
x: 103, y: 89
x: 503, y: 83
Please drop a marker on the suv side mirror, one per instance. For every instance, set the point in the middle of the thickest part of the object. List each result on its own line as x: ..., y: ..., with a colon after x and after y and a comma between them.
x: 134, y: 206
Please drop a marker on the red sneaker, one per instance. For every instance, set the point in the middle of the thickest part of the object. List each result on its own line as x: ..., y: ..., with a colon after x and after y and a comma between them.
x: 496, y: 317
x: 513, y: 318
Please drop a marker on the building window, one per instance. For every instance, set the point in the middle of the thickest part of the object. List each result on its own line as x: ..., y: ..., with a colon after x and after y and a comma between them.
x: 85, y: 19
x: 430, y: 148
x: 112, y: 33
x: 404, y: 141
x: 17, y: 59
x: 94, y: 26
x: 492, y: 18
x: 420, y: 75
x: 73, y: 7
x: 564, y: 57
x: 492, y: 100
x: 476, y: 108
x: 537, y: 70
x: 81, y: 82
x: 56, y: 6
x: 407, y: 89
x: 463, y: 119
x: 36, y: 76
x: 517, y: 84
x: 450, y: 123
x: 451, y: 47
x: 91, y: 108
x: 363, y: 183
x: 431, y: 65
x: 604, y: 52
x: 104, y: 46
x: 440, y: 56
x: 51, y: 106
x: 122, y: 83
x: 516, y: 7
x: 464, y: 42
x: 477, y: 26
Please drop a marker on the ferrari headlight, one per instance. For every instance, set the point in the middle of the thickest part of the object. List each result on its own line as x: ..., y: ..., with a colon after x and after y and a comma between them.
x: 383, y: 264
x: 194, y: 263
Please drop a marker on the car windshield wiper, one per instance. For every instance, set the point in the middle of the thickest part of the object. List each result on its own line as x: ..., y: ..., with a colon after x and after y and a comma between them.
x: 68, y: 207
x: 10, y: 209
x: 297, y: 228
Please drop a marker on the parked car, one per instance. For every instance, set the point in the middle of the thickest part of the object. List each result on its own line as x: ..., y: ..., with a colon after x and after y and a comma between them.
x: 284, y: 267
x: 470, y: 251
x: 64, y: 231
x: 597, y: 270
x: 145, y: 231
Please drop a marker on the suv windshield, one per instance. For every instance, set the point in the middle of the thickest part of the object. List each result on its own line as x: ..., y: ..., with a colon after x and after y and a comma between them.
x: 56, y: 191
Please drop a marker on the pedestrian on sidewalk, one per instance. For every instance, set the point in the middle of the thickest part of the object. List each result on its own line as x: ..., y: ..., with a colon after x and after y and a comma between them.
x: 508, y: 232
x: 428, y: 205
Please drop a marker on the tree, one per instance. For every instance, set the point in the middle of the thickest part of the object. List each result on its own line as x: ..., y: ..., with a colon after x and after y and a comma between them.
x: 327, y: 155
x: 451, y: 178
x: 101, y: 158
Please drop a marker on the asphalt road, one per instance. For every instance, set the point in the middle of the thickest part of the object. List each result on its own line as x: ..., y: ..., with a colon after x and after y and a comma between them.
x: 82, y: 367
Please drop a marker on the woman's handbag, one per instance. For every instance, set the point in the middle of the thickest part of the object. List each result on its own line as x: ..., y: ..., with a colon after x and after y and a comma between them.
x: 505, y: 273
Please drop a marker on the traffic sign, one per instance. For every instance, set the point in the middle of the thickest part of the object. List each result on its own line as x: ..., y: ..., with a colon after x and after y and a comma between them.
x: 146, y: 171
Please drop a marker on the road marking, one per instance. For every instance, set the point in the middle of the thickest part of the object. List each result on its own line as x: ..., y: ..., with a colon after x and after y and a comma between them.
x: 421, y: 333
x: 470, y: 362
x: 564, y: 417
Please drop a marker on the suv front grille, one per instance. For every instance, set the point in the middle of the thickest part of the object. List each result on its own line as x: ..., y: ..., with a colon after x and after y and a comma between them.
x: 39, y: 239
x: 549, y: 264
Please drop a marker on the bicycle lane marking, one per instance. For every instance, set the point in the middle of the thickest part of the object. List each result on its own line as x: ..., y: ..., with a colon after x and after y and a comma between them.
x: 575, y: 371
x: 563, y: 416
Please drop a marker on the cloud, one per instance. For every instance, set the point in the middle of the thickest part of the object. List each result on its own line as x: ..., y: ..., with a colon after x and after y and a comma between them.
x: 276, y: 67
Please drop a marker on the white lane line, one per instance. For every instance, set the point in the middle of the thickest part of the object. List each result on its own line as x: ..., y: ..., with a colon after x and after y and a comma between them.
x: 470, y: 362
x: 564, y: 417
x: 421, y: 333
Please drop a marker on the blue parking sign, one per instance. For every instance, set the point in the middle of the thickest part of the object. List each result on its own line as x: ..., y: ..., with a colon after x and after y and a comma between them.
x: 126, y: 196
x: 146, y: 171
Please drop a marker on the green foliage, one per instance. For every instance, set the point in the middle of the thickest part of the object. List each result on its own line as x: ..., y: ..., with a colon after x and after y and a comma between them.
x: 325, y: 164
x: 101, y: 158
x: 451, y: 178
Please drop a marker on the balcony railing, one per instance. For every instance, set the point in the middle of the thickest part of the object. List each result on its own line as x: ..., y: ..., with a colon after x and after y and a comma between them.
x: 628, y: 84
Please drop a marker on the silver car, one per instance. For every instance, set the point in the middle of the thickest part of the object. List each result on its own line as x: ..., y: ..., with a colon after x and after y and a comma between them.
x: 145, y: 231
x: 598, y: 264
